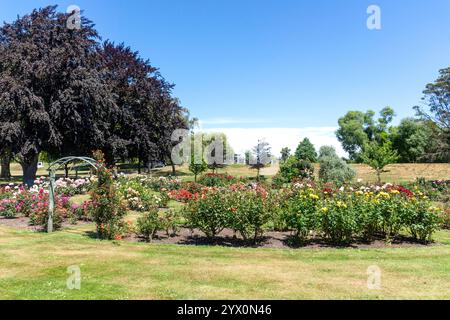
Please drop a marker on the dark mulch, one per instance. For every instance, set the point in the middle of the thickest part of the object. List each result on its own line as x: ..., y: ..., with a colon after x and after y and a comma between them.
x: 271, y: 239
x: 23, y: 223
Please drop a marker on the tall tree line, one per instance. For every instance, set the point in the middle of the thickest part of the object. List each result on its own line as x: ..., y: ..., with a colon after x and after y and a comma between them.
x: 425, y: 138
x: 65, y: 92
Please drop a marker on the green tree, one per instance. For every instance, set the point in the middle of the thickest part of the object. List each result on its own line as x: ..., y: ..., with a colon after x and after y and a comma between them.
x: 332, y: 168
x: 197, y: 163
x: 219, y: 151
x: 306, y: 151
x: 378, y: 156
x: 357, y: 129
x: 437, y: 97
x: 413, y: 139
x: 285, y: 154
x: 294, y: 168
x: 197, y: 168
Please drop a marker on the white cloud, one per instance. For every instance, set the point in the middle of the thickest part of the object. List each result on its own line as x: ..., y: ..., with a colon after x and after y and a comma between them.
x: 228, y: 121
x: 242, y: 139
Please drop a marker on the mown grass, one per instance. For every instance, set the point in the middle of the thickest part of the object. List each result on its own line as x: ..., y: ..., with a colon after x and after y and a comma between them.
x: 34, y: 266
x: 396, y: 173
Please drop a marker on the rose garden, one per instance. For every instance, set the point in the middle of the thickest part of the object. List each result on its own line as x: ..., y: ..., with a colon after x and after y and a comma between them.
x: 95, y: 175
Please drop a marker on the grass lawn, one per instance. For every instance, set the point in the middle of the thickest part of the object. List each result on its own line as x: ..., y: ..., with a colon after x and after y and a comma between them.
x: 34, y: 266
x: 396, y: 173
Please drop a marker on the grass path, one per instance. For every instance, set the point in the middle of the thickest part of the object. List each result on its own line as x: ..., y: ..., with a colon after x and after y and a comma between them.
x: 34, y: 266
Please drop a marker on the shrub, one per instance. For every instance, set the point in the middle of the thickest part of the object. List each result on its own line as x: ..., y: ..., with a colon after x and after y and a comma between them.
x: 337, y: 222
x: 108, y: 206
x: 422, y: 220
x: 445, y: 219
x: 8, y: 208
x: 293, y: 169
x: 193, y: 187
x: 161, y: 184
x: 84, y: 211
x: 170, y: 222
x: 392, y: 213
x: 334, y: 169
x: 217, y: 180
x: 149, y: 224
x: 248, y: 213
x: 39, y: 211
x: 181, y: 195
x: 368, y: 218
x: 71, y: 187
x: 209, y: 213
x: 300, y: 213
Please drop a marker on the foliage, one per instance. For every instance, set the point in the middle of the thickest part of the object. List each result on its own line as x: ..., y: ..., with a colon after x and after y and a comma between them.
x: 197, y: 168
x: 413, y: 139
x: 306, y: 151
x: 334, y: 169
x: 161, y: 184
x: 293, y: 169
x: 108, y: 206
x: 182, y: 195
x: 8, y: 208
x: 169, y: 222
x: 285, y: 154
x: 239, y: 207
x: 248, y: 210
x: 300, y: 214
x: 74, y: 94
x: 217, y: 180
x: 338, y: 222
x: 437, y: 97
x: 209, y: 213
x: 379, y: 156
x: 148, y: 224
x: 139, y: 197
x: 358, y: 129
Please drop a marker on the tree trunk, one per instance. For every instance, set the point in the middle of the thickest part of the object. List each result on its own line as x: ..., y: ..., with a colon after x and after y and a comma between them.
x: 29, y: 169
x: 66, y: 170
x: 139, y: 165
x: 6, y: 169
x: 379, y: 176
x: 174, y: 171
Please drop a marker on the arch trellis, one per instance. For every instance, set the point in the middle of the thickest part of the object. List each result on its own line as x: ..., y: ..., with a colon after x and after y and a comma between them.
x: 52, y: 179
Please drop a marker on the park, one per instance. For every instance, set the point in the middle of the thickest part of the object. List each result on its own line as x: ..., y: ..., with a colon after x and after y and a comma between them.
x: 101, y: 199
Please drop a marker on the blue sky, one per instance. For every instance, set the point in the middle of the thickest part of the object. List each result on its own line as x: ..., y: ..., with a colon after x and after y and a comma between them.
x: 246, y: 64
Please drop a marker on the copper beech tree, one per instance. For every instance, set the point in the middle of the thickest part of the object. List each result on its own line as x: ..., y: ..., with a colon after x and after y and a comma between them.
x: 64, y: 92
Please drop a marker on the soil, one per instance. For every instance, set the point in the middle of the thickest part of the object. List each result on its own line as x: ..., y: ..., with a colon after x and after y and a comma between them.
x: 23, y: 223
x: 227, y: 238
x: 271, y: 239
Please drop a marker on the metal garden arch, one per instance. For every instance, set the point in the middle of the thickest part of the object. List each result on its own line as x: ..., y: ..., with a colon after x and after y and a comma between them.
x: 52, y: 177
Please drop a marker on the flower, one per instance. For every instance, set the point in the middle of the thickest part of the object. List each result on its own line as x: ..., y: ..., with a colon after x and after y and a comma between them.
x: 314, y: 196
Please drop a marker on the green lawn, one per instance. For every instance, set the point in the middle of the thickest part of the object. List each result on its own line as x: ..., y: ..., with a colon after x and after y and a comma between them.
x: 34, y: 266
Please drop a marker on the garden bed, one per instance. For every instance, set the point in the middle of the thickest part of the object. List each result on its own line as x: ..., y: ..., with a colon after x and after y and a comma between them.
x: 271, y: 239
x: 23, y: 223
